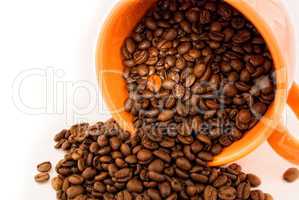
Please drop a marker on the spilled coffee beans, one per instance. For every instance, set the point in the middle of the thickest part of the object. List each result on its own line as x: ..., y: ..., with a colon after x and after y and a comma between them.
x: 104, y: 162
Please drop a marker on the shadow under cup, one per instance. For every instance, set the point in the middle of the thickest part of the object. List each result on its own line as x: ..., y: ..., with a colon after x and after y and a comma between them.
x: 119, y: 25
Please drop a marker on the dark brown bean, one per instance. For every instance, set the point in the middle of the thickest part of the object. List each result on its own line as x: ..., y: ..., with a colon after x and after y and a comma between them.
x: 44, y: 167
x: 42, y: 177
x: 291, y: 175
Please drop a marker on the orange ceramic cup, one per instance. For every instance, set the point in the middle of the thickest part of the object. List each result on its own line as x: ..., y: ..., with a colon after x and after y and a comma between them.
x: 269, y: 17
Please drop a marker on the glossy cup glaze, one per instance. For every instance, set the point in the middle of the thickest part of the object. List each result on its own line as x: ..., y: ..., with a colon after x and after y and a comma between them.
x: 268, y: 16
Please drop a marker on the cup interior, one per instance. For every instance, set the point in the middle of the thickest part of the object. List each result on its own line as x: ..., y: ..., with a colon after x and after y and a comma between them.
x: 118, y: 26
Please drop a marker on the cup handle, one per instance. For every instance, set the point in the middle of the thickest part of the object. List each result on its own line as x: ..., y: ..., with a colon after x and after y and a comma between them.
x: 281, y: 140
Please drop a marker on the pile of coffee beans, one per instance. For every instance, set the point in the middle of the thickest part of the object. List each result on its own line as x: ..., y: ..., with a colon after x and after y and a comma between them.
x: 104, y: 162
x: 197, y: 67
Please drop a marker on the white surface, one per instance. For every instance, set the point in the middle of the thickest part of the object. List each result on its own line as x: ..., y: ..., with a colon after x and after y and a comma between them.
x: 62, y: 35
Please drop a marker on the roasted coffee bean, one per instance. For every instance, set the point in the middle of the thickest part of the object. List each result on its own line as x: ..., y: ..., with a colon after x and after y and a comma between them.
x: 165, y: 115
x: 210, y: 193
x: 75, y: 179
x: 227, y: 192
x: 125, y: 172
x: 140, y: 56
x: 184, y: 47
x: 243, y: 190
x: 56, y: 183
x: 163, y: 155
x: 170, y: 34
x: 156, y: 166
x: 183, y: 164
x: 230, y: 90
x: 42, y: 177
x: 291, y: 175
x: 150, y: 23
x: 244, y: 116
x: 220, y: 181
x: 134, y: 185
x: 253, y: 180
x: 257, y: 195
x: 144, y: 155
x: 130, y: 45
x: 199, y: 70
x: 241, y: 36
x: 165, y: 189
x: 44, y: 167
x: 74, y: 191
x: 88, y: 173
x: 124, y: 195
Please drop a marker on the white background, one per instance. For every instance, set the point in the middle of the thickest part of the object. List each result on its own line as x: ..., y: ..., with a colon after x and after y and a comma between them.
x: 57, y: 38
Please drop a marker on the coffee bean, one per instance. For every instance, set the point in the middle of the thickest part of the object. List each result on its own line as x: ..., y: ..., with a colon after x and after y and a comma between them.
x: 241, y: 37
x: 184, y: 47
x: 185, y: 26
x: 56, y: 183
x: 165, y: 115
x: 163, y: 155
x: 153, y: 194
x: 130, y: 45
x: 220, y: 181
x: 140, y: 57
x: 123, y: 195
x: 205, y: 156
x: 142, y: 70
x: 210, y: 193
x: 253, y: 180
x: 230, y: 90
x: 150, y: 23
x: 244, y: 116
x: 88, y: 173
x: 168, y: 84
x: 154, y: 176
x: 75, y: 179
x: 199, y: 178
x: 134, y: 185
x: 257, y: 195
x: 217, y: 36
x: 145, y: 44
x: 42, y: 177
x: 154, y: 83
x: 165, y: 189
x: 74, y: 191
x: 199, y: 70
x: 122, y: 173
x: 227, y: 192
x: 183, y: 164
x: 291, y: 175
x: 170, y: 34
x: 144, y: 155
x: 156, y: 166
x: 192, y: 15
x: 179, y: 91
x: 44, y: 167
x: 243, y: 190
